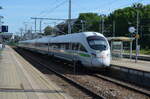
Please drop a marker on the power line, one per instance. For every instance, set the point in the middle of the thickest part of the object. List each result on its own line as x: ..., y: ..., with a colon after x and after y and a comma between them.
x: 44, y: 10
x: 40, y: 18
x: 53, y: 9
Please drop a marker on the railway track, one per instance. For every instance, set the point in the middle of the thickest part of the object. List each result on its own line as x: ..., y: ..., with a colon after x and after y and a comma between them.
x: 69, y: 80
x: 123, y: 84
x: 85, y: 89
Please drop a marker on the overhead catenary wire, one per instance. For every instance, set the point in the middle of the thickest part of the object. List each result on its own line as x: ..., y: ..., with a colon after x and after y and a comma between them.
x: 45, y: 13
x: 51, y: 10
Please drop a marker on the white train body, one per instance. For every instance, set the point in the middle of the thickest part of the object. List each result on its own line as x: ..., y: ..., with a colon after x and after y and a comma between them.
x: 91, y: 49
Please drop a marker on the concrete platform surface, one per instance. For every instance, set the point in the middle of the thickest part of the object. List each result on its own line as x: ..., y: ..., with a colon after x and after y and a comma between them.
x: 20, y: 80
x: 140, y: 65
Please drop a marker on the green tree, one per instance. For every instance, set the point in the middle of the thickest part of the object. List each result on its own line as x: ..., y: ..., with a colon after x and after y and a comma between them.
x: 123, y: 18
x: 48, y: 30
x: 126, y: 17
x: 89, y: 20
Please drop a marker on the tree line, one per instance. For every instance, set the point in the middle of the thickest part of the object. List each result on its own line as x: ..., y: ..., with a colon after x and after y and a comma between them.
x: 116, y: 23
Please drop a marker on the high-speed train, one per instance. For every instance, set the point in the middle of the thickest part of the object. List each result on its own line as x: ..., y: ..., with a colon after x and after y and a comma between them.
x: 91, y: 49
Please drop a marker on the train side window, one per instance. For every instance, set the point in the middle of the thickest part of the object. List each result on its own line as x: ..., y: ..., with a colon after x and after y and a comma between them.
x: 73, y: 46
x: 46, y: 44
x: 49, y: 44
x: 54, y: 45
x: 62, y: 46
x: 70, y: 46
x: 67, y: 46
x: 77, y: 47
x: 42, y: 44
x: 82, y: 48
x: 58, y: 45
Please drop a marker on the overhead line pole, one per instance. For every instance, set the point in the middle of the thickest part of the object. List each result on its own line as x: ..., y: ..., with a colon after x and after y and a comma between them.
x: 114, y: 28
x: 82, y: 22
x: 69, y: 18
x: 40, y: 26
x: 35, y: 19
x: 25, y: 26
x: 100, y: 27
x: 40, y: 18
x: 69, y: 32
x: 137, y: 32
x: 103, y: 24
x: 35, y: 25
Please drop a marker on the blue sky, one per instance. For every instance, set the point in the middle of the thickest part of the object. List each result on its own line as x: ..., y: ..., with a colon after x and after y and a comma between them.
x: 16, y: 12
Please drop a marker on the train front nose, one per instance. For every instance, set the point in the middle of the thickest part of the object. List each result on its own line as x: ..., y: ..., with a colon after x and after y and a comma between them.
x: 102, y: 60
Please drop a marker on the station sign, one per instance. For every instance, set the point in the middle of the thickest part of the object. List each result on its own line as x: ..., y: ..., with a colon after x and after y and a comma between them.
x: 132, y: 29
x: 4, y: 28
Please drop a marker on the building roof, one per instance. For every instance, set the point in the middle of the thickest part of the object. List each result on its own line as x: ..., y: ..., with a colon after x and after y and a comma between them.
x: 124, y: 39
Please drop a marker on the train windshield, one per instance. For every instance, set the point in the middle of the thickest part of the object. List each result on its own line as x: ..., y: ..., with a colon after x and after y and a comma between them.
x: 97, y: 43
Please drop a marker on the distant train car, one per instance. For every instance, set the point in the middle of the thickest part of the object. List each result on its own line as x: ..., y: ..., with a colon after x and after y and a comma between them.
x: 91, y: 49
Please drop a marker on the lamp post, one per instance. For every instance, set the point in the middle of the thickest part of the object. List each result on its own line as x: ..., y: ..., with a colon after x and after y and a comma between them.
x: 137, y: 33
x: 102, y: 20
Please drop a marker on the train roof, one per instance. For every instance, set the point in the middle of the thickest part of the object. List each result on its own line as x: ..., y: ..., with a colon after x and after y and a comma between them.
x: 44, y: 39
x: 75, y: 37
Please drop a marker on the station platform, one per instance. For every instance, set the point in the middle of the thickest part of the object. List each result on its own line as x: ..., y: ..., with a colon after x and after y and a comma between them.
x: 20, y: 80
x: 140, y: 57
x: 130, y: 63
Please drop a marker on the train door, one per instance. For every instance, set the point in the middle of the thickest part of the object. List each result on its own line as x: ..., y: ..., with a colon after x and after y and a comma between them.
x: 84, y: 56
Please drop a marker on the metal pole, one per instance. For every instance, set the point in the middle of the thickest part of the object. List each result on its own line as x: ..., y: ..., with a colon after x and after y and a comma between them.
x: 31, y: 29
x: 131, y: 50
x: 100, y: 25
x: 69, y: 18
x: 103, y: 24
x: 137, y: 32
x: 121, y: 54
x: 69, y: 32
x: 21, y: 31
x: 54, y: 29
x: 41, y: 26
x: 25, y: 28
x: 82, y: 25
x: 38, y: 18
x: 114, y: 28
x: 35, y: 25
